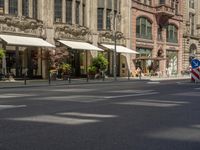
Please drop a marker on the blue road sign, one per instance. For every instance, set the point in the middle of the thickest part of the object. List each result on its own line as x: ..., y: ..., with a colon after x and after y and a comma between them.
x: 195, y: 63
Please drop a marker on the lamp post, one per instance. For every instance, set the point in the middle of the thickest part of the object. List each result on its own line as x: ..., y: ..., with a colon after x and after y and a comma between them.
x: 115, y: 20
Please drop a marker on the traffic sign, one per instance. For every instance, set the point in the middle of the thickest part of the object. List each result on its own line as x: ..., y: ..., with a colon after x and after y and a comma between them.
x: 195, y: 63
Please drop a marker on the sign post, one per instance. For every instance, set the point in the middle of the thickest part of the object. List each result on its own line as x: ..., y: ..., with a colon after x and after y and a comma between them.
x: 195, y: 72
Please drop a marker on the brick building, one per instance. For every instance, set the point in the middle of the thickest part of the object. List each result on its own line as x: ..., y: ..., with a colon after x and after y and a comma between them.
x: 157, y: 34
x: 191, y: 32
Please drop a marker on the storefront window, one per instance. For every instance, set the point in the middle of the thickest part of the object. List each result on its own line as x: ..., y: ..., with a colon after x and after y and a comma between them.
x: 144, y: 61
x: 172, y: 63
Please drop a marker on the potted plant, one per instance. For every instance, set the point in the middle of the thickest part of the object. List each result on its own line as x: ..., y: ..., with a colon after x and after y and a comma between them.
x: 66, y: 70
x: 101, y: 63
x: 92, y: 71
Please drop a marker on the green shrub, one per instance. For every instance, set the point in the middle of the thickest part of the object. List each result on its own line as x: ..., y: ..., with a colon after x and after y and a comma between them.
x: 66, y: 68
x: 92, y: 69
x: 100, y: 62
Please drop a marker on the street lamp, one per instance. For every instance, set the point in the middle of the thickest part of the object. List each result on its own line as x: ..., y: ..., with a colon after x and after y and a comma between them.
x: 115, y: 20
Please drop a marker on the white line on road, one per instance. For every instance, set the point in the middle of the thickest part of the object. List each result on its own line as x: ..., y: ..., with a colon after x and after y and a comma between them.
x: 130, y: 95
x: 11, y: 106
x: 153, y: 82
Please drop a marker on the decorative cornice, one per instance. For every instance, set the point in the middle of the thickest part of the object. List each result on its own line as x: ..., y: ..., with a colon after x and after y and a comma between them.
x: 66, y: 31
x: 109, y: 37
x: 21, y: 24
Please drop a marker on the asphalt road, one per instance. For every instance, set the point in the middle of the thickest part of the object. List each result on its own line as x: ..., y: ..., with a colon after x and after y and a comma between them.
x: 137, y: 115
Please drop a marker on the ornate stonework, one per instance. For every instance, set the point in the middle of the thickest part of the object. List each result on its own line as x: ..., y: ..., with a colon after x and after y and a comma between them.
x: 72, y: 32
x: 108, y: 37
x: 23, y: 25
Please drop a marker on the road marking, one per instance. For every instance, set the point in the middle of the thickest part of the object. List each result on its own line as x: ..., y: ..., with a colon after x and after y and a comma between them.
x: 73, y: 98
x: 14, y: 95
x: 131, y: 91
x: 188, y: 94
x: 55, y: 120
x: 153, y: 103
x: 153, y: 82
x: 177, y: 134
x: 78, y: 114
x: 130, y: 95
x: 72, y: 90
x: 11, y: 106
x: 166, y: 101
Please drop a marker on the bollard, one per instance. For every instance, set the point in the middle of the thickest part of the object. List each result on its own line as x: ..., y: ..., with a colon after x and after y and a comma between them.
x: 24, y: 79
x: 49, y: 78
x: 87, y: 77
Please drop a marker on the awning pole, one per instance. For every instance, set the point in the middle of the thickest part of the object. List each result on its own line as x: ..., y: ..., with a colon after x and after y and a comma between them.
x: 4, y: 65
x: 87, y: 65
x: 17, y: 61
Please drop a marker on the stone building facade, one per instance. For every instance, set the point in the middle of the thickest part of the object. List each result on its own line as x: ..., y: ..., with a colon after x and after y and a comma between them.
x: 191, y: 32
x: 91, y: 21
x: 157, y: 35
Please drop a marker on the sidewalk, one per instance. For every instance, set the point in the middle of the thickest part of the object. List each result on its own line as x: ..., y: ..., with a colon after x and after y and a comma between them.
x: 35, y: 83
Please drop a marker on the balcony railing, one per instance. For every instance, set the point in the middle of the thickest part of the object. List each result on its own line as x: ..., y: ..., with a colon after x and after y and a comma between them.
x: 139, y: 5
x: 165, y: 10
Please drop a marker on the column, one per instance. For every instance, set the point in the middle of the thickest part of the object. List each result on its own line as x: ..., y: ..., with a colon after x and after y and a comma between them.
x: 17, y: 61
x: 20, y: 7
x: 81, y: 13
x: 31, y: 8
x: 6, y: 7
x: 64, y: 11
x: 163, y: 63
x: 73, y: 11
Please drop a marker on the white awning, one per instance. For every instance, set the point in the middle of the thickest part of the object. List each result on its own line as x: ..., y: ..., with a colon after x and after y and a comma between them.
x: 80, y: 45
x: 25, y: 41
x: 119, y: 49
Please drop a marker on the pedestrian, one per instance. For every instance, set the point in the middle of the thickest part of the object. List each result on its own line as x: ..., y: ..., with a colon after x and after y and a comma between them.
x: 139, y: 72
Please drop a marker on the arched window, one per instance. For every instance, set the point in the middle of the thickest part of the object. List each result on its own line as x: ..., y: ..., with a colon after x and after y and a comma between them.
x: 172, y: 34
x: 13, y: 5
x: 57, y: 10
x: 143, y: 28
